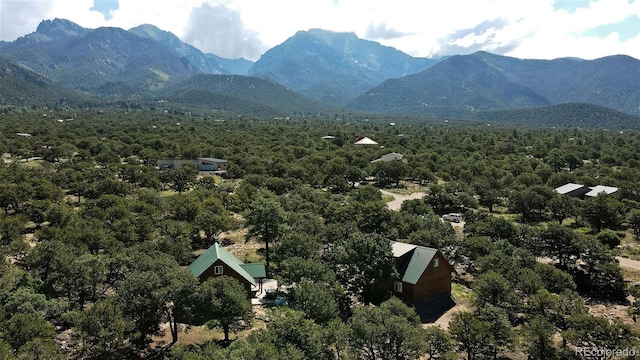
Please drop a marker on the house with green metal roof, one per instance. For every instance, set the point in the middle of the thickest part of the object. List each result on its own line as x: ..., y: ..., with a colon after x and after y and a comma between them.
x: 424, y: 273
x: 217, y: 261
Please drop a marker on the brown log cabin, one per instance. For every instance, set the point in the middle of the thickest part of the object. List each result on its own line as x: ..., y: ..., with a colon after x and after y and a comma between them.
x: 424, y: 273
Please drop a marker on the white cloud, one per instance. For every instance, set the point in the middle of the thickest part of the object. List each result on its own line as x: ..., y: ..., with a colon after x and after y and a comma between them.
x: 20, y: 17
x: 220, y: 30
x: 167, y: 15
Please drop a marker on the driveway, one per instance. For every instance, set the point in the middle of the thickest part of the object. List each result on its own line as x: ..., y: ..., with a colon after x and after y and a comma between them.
x: 267, y: 284
x: 628, y: 263
x: 398, y: 199
x: 623, y: 262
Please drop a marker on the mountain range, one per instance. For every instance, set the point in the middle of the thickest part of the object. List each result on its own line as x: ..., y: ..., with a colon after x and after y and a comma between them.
x: 334, y: 67
x: 314, y: 70
x: 463, y: 85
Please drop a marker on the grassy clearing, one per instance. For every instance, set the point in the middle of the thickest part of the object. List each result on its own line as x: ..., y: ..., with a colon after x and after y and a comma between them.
x: 33, y: 164
x: 236, y: 237
x: 387, y: 198
x: 510, y: 217
x: 247, y: 251
x: 217, y: 179
x: 249, y: 254
x: 629, y: 247
x: 198, y: 335
x: 628, y: 251
x: 406, y: 188
x: 166, y: 193
x: 462, y: 294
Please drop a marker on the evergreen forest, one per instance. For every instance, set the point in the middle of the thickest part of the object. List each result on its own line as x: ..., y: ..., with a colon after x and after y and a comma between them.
x: 95, y: 238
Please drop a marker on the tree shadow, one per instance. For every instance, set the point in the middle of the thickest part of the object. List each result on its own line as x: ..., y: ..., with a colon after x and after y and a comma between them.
x: 432, y: 309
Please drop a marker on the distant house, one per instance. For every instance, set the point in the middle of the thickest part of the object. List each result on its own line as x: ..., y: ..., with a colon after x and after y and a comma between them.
x: 43, y: 146
x: 581, y: 191
x: 571, y: 189
x: 390, y: 157
x: 424, y: 273
x: 365, y: 141
x: 216, y: 261
x: 595, y: 190
x: 202, y: 164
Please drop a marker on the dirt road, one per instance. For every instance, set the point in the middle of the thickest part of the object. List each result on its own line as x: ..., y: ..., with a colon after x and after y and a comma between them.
x: 628, y: 263
x: 398, y: 199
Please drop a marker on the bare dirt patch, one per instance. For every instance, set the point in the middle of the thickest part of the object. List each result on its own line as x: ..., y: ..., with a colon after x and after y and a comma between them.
x: 613, y: 312
x: 443, y: 321
x: 192, y: 336
x: 619, y: 312
x: 463, y: 299
x: 29, y: 238
x: 197, y: 335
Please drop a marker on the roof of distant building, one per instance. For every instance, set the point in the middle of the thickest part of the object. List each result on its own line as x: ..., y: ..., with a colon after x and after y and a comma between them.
x: 595, y: 190
x: 216, y: 160
x: 365, y: 141
x: 389, y: 157
x: 567, y: 188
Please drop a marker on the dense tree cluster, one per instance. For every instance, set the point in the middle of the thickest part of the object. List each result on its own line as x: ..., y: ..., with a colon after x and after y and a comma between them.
x: 95, y: 239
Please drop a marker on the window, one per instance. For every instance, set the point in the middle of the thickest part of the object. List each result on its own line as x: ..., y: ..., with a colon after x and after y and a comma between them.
x: 397, y: 286
x: 436, y: 262
x: 217, y: 270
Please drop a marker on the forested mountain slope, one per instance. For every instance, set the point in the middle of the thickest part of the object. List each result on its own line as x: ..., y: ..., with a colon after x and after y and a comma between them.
x: 462, y: 85
x: 334, y: 67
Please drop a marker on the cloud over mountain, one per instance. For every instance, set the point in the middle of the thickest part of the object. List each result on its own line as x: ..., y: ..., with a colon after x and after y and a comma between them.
x: 220, y: 30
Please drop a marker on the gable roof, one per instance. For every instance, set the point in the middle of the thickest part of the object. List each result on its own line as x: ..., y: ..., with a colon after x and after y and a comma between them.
x: 416, y: 263
x: 213, y: 254
x: 365, y: 141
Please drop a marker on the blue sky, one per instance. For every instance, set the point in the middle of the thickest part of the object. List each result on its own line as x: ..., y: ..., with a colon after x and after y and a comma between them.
x: 626, y: 29
x: 541, y: 29
x: 570, y: 5
x: 105, y: 7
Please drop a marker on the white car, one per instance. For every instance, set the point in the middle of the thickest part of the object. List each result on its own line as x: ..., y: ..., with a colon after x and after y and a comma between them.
x: 453, y: 217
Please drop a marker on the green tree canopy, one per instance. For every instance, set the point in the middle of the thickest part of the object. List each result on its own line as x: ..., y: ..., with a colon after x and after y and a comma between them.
x: 389, y: 331
x: 602, y: 212
x: 264, y: 220
x: 363, y: 261
x: 223, y: 302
